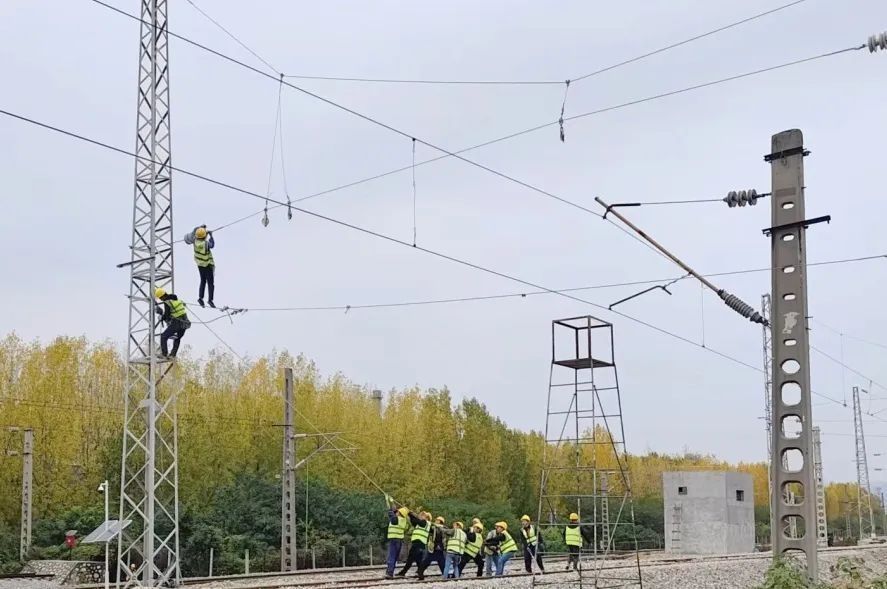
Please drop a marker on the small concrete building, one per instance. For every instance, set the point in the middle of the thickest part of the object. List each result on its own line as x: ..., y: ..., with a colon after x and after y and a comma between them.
x: 709, y: 512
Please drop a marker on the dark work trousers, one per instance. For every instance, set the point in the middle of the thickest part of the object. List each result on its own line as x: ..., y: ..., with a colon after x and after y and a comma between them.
x: 176, y: 330
x: 436, y: 556
x: 393, y: 552
x: 573, y: 558
x: 478, y: 559
x: 529, y: 553
x: 207, y: 278
x: 416, y: 555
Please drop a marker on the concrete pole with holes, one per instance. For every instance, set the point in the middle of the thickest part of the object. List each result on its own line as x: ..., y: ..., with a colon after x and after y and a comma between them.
x: 27, y: 494
x: 288, y: 478
x: 791, y: 460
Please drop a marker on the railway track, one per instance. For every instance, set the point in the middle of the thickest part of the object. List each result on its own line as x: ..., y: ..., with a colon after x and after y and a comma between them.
x: 372, y: 576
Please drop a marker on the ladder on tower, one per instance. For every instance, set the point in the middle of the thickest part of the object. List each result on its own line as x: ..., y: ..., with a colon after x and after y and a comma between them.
x: 677, y: 516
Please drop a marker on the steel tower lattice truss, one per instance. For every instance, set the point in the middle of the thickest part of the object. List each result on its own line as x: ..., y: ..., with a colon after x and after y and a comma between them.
x: 148, y: 549
x: 863, y: 490
x: 584, y: 464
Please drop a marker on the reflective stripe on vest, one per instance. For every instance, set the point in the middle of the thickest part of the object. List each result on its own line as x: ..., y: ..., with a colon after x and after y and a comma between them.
x: 398, y: 530
x: 573, y: 536
x: 472, y: 548
x: 456, y: 543
x: 202, y: 254
x: 176, y: 308
x: 530, y: 535
x: 420, y: 534
x: 508, y: 545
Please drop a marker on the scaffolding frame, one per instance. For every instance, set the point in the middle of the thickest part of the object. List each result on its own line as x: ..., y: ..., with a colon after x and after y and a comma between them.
x: 585, y: 470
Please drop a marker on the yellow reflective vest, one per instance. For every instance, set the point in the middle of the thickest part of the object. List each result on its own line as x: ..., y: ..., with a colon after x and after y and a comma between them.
x: 573, y: 536
x: 509, y: 545
x: 456, y: 543
x: 472, y: 548
x: 421, y: 534
x: 398, y: 531
x: 530, y: 535
x: 202, y: 254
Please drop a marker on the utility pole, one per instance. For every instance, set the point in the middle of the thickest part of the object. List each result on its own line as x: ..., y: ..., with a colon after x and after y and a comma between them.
x: 863, y: 490
x: 288, y: 522
x: 288, y: 480
x: 27, y: 455
x: 768, y: 386
x: 821, y: 520
x: 883, y: 514
x: 790, y: 456
x: 147, y: 552
x: 377, y: 399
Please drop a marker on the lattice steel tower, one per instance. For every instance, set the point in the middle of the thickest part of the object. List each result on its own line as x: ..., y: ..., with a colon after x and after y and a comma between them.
x: 584, y: 464
x: 148, y: 550
x: 863, y: 490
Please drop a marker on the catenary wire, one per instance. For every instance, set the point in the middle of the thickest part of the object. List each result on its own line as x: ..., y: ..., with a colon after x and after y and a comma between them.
x: 396, y: 241
x: 456, y: 155
x: 233, y: 36
x: 540, y: 127
x: 514, y: 82
x: 370, y: 232
x: 543, y: 292
x: 690, y: 40
x: 847, y: 335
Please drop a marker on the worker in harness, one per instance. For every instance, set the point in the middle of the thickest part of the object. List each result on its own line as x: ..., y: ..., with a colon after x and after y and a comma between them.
x: 203, y: 256
x: 172, y: 311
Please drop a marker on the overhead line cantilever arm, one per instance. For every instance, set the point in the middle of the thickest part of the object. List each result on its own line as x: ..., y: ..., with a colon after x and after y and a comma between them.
x: 730, y: 300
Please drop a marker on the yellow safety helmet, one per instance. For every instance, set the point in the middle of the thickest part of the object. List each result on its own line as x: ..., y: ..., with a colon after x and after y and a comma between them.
x: 440, y: 520
x: 404, y: 511
x: 503, y: 525
x: 574, y: 517
x: 525, y: 518
x: 475, y: 521
x: 159, y: 293
x: 200, y: 233
x: 479, y: 526
x: 458, y: 525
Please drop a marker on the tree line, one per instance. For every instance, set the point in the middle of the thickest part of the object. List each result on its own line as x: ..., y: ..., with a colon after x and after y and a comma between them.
x: 422, y: 448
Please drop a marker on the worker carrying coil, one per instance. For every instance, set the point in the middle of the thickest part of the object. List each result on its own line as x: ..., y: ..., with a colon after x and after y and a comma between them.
x: 172, y: 311
x: 203, y: 243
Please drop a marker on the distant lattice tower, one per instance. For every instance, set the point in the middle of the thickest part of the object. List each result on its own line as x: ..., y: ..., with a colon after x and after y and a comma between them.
x: 148, y: 549
x: 584, y: 463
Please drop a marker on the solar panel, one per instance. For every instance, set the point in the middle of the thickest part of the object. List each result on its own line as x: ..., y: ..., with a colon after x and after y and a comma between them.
x: 106, y: 532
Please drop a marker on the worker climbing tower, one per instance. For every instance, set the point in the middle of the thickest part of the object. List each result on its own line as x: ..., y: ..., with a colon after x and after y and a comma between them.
x: 148, y: 549
x: 584, y: 462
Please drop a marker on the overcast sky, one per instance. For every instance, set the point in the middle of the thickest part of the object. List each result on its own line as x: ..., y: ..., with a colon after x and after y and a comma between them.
x: 67, y: 206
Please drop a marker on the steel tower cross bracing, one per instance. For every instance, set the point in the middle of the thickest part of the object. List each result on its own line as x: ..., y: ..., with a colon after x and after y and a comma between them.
x: 148, y: 549
x: 863, y: 490
x: 585, y: 462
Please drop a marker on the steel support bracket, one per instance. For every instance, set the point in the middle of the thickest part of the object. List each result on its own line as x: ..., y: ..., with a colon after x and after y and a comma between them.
x: 637, y: 294
x: 619, y: 204
x: 778, y: 155
x: 805, y: 223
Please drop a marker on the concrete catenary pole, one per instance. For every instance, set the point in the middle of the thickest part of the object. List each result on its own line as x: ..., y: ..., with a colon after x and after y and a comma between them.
x: 288, y: 478
x: 791, y: 462
x: 27, y: 495
x: 821, y: 520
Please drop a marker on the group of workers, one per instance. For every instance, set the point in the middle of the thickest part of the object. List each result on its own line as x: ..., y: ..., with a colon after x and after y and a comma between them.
x: 453, y: 548
x: 172, y: 310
